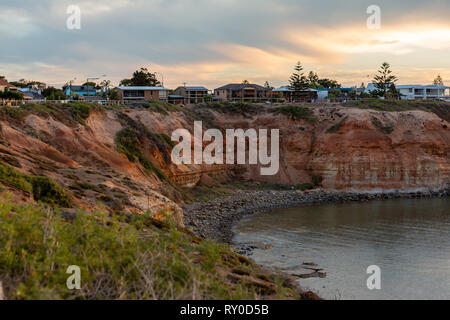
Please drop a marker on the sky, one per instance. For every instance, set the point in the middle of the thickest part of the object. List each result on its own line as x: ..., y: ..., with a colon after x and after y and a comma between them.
x: 215, y: 42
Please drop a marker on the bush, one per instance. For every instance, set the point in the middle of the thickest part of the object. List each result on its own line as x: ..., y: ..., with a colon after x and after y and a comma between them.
x: 43, y: 188
x: 120, y: 257
x: 14, y: 178
x: 387, y: 129
x: 127, y: 142
x: 337, y: 126
x: 305, y: 186
x: 297, y: 113
x: 48, y: 191
x: 317, y: 180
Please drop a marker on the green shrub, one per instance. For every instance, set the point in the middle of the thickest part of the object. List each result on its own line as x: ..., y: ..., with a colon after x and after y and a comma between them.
x: 440, y: 108
x: 48, y: 191
x: 387, y: 129
x: 127, y: 142
x: 317, y: 180
x: 120, y: 257
x: 305, y: 186
x: 297, y: 113
x: 337, y: 126
x: 14, y: 178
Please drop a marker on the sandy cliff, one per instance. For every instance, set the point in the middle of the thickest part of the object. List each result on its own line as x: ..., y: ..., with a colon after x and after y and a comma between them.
x: 350, y: 148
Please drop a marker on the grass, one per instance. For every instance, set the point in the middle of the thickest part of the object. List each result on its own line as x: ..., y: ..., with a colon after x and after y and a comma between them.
x: 440, y: 108
x: 387, y: 129
x: 127, y: 142
x: 337, y: 126
x: 297, y: 113
x: 305, y: 186
x: 43, y: 189
x: 69, y: 114
x: 120, y: 257
x: 242, y: 108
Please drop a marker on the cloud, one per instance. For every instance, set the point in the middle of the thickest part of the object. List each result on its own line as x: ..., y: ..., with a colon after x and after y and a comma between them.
x: 15, y: 24
x: 212, y: 42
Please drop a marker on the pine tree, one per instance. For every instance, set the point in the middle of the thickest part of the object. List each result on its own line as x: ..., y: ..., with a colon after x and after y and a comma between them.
x: 385, y: 80
x: 298, y: 81
x: 438, y: 80
x: 268, y: 86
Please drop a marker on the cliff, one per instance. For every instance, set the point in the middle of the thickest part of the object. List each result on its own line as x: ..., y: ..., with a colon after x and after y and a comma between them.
x: 121, y: 156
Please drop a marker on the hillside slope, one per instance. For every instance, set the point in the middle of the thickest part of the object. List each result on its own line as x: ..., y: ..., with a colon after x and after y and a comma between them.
x: 121, y: 157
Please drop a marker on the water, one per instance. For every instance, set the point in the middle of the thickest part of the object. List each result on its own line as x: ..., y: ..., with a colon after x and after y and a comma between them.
x: 408, y: 239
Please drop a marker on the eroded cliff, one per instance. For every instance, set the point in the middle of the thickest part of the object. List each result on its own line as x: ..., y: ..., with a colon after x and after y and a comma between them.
x: 121, y: 157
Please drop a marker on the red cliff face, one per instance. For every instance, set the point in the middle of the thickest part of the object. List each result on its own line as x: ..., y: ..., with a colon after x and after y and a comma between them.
x: 355, y: 149
x: 351, y: 149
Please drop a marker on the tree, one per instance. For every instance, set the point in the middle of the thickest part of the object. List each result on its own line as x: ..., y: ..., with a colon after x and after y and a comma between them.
x: 328, y: 84
x: 91, y: 84
x: 268, y: 86
x: 11, y: 95
x: 384, y: 81
x: 438, y: 80
x: 313, y: 79
x: 105, y: 84
x: 113, y: 95
x: 245, y: 82
x: 52, y: 93
x: 141, y: 77
x: 298, y: 81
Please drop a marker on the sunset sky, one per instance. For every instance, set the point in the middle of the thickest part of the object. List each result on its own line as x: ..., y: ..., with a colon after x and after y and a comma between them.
x: 214, y: 42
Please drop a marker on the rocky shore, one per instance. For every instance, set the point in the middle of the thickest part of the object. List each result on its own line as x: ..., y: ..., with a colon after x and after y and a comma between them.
x: 215, y: 219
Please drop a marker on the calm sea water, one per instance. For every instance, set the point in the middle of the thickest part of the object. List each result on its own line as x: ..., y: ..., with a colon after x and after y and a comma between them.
x: 408, y: 239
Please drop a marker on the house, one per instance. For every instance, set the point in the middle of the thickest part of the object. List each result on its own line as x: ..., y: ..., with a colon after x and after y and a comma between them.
x: 176, y: 99
x: 6, y: 85
x: 143, y: 93
x: 412, y: 92
x: 80, y: 91
x: 284, y: 92
x: 192, y: 95
x: 242, y: 92
x: 419, y: 92
x: 32, y: 94
x: 290, y: 95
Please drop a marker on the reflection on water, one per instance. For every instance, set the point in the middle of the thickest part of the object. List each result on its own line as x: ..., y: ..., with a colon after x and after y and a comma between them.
x: 408, y: 239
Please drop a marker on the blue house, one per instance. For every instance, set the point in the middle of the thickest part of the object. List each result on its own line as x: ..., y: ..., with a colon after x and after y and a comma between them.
x: 80, y: 91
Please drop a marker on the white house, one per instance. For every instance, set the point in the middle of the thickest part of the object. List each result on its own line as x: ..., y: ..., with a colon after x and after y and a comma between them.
x: 418, y: 92
x: 411, y: 92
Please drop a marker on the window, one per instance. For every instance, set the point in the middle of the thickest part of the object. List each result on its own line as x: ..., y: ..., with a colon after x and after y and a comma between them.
x: 133, y: 94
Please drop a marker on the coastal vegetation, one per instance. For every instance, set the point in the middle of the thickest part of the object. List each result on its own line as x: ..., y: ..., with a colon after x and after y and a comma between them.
x: 120, y: 257
x: 42, y: 188
x: 297, y: 113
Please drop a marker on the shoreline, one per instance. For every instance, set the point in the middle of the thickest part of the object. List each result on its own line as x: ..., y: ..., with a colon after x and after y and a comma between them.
x: 215, y: 219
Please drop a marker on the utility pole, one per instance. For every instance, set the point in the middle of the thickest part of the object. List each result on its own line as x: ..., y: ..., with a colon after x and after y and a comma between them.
x: 87, y: 80
x: 162, y: 78
x: 70, y: 88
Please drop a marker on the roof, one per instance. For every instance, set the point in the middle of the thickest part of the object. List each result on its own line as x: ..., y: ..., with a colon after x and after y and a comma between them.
x: 283, y: 89
x: 142, y: 88
x: 288, y: 89
x: 33, y: 95
x: 240, y: 86
x: 5, y: 83
x: 196, y: 88
x: 433, y: 86
x: 79, y: 88
x: 175, y: 96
